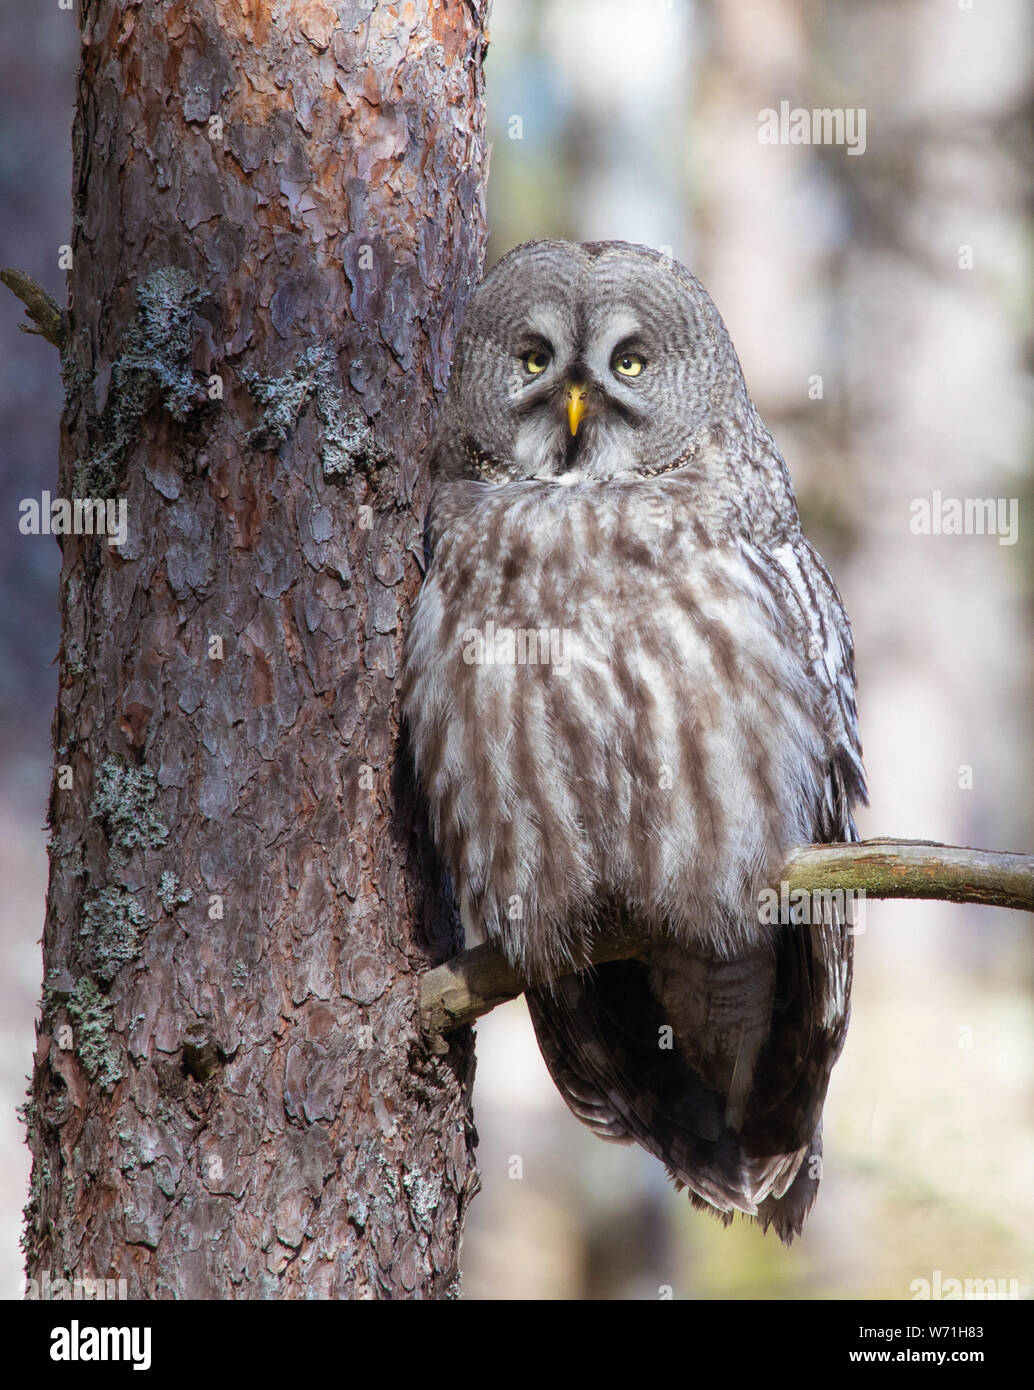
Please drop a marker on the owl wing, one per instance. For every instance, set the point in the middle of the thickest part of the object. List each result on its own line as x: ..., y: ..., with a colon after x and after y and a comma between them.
x: 828, y: 646
x: 733, y: 1104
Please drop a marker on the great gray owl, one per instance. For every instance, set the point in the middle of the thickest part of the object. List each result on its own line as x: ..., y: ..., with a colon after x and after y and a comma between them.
x: 629, y: 686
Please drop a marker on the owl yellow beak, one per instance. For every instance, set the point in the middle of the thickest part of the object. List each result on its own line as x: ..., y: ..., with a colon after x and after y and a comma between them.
x: 576, y: 398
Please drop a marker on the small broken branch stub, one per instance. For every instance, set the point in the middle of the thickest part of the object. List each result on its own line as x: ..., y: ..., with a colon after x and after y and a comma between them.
x: 44, y: 311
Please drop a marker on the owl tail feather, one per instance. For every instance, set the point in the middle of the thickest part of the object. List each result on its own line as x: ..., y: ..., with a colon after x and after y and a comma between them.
x: 786, y: 1214
x: 739, y: 1143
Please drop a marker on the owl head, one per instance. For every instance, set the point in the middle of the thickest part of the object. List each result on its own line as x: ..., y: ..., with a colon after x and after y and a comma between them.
x: 597, y: 360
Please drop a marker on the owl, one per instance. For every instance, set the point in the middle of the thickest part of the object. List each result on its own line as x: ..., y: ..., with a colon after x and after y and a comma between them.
x: 629, y: 689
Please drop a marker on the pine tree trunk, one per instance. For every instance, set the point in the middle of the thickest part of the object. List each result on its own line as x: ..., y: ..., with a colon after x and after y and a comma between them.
x: 277, y: 226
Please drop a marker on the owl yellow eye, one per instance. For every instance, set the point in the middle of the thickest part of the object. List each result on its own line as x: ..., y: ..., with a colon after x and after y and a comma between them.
x: 628, y: 364
x: 535, y: 362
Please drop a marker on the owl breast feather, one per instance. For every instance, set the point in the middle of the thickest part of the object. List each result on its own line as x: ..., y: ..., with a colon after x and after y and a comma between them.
x: 610, y: 713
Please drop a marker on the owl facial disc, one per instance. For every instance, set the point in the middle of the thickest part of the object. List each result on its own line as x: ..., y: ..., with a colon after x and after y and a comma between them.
x: 605, y: 359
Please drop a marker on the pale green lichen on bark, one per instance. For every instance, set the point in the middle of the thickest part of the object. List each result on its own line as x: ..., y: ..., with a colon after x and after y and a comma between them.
x: 348, y: 442
x: 128, y: 1159
x: 424, y: 1193
x: 123, y: 801
x: 38, y: 1185
x: 28, y: 1113
x: 170, y: 893
x: 155, y: 362
x: 111, y: 923
x: 74, y: 659
x: 68, y: 852
x: 159, y: 342
x: 91, y: 1012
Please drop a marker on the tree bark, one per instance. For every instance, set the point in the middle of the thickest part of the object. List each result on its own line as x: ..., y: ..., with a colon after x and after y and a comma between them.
x: 277, y: 226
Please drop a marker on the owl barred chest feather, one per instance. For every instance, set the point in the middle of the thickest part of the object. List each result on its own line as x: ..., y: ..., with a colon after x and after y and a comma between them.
x: 629, y: 691
x: 620, y: 720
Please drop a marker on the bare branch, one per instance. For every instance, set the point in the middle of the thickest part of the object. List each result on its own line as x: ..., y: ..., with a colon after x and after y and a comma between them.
x: 44, y: 311
x: 473, y: 983
x: 887, y: 868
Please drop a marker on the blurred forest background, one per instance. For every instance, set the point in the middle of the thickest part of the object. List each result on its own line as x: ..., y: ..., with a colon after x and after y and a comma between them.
x: 641, y: 122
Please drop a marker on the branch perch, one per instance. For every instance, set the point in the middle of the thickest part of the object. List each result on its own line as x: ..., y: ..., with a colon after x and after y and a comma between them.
x: 474, y: 982
x: 44, y: 311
